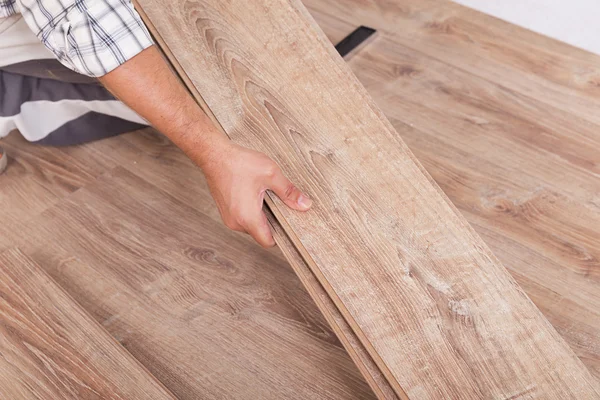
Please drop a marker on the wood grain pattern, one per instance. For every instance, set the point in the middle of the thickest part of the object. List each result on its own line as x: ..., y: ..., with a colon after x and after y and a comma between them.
x: 340, y: 326
x: 51, y: 349
x: 207, y: 311
x: 382, y: 240
x: 523, y: 173
x: 352, y: 344
x: 39, y: 177
x: 554, y: 73
x: 237, y: 277
x: 489, y: 162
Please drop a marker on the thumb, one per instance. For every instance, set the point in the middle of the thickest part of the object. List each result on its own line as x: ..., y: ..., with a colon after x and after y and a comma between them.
x: 288, y: 193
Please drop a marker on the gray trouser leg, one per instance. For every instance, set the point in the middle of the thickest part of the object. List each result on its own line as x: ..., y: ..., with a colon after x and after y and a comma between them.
x: 50, y: 111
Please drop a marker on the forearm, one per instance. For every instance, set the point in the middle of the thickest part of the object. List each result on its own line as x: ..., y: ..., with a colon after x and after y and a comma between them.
x: 237, y: 177
x: 146, y: 84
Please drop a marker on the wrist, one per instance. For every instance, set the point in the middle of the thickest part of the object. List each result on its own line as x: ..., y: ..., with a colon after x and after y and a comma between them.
x: 216, y: 147
x: 200, y: 140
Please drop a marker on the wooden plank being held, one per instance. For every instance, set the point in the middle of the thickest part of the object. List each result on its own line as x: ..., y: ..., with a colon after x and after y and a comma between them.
x: 51, y: 349
x: 525, y: 174
x: 437, y: 312
x: 352, y: 344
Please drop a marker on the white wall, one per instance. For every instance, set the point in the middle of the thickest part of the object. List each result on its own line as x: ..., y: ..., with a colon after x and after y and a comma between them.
x: 576, y: 22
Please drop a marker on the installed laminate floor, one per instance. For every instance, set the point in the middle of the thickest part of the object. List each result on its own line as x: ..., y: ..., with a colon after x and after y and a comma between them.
x: 140, y: 247
x: 51, y: 349
x: 508, y: 129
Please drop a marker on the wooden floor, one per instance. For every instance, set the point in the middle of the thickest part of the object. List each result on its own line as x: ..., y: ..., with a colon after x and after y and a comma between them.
x: 437, y: 312
x: 134, y: 238
x: 52, y: 349
x: 506, y: 121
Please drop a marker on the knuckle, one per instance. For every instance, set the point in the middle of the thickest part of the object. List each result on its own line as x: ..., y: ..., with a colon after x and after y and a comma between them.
x: 271, y: 169
x: 289, y: 190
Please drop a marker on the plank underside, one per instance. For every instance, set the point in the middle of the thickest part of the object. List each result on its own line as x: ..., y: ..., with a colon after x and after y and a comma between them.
x: 434, y: 308
x: 51, y: 349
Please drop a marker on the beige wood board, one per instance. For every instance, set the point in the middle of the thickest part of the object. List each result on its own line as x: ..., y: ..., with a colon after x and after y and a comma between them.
x: 414, y: 281
x: 51, y: 349
x: 501, y: 118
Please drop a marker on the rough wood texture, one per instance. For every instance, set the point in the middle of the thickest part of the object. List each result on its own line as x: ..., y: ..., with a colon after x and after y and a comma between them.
x: 522, y: 169
x: 143, y: 250
x: 436, y: 310
x: 51, y: 349
x: 352, y: 344
x: 503, y: 120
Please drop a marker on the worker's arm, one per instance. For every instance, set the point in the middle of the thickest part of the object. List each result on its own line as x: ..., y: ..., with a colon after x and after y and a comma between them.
x: 107, y: 39
x: 238, y: 177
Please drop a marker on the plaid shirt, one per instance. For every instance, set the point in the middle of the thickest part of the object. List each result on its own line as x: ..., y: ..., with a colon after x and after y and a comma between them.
x: 91, y: 37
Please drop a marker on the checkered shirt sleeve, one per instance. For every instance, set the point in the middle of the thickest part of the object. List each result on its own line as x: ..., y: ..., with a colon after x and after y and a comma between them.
x: 91, y: 37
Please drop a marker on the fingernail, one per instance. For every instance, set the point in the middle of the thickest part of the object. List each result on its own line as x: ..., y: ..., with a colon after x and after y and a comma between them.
x: 304, y: 202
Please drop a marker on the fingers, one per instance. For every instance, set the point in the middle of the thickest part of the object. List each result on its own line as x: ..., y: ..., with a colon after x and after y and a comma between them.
x: 253, y: 221
x: 241, y: 203
x: 287, y: 192
x: 261, y: 231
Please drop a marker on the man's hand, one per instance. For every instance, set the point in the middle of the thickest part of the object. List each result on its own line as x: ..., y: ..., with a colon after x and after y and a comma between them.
x: 238, y: 178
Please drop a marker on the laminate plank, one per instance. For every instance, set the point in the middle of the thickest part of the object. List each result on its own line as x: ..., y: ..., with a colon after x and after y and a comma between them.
x: 174, y: 163
x: 382, y: 239
x: 352, y: 344
x: 357, y: 351
x: 523, y: 174
x: 51, y: 349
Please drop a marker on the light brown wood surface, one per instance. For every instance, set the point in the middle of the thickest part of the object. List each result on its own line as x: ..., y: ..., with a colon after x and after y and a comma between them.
x: 432, y: 305
x: 340, y: 326
x: 51, y: 349
x: 140, y: 245
x: 545, y: 233
x: 503, y: 120
x: 357, y: 351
